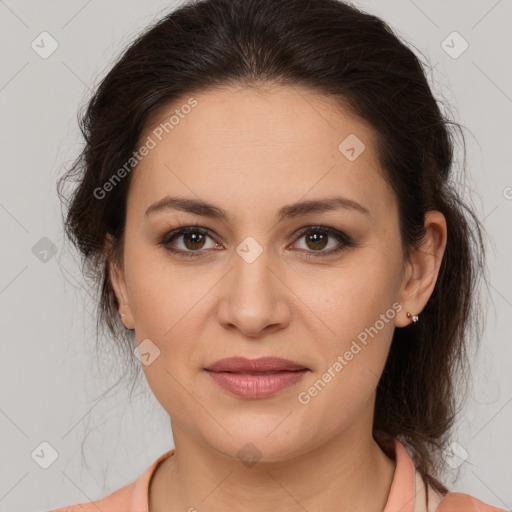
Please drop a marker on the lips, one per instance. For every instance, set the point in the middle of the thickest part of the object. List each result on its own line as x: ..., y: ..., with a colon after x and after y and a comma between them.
x: 255, y: 366
x: 255, y: 378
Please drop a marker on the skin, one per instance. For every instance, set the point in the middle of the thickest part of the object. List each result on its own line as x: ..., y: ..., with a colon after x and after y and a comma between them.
x: 251, y: 152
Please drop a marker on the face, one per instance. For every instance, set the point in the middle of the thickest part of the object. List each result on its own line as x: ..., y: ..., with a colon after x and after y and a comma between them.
x: 320, y: 287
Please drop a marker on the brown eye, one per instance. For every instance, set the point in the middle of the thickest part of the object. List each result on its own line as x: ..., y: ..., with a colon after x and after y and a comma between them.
x: 317, y: 238
x: 193, y: 242
x: 316, y: 241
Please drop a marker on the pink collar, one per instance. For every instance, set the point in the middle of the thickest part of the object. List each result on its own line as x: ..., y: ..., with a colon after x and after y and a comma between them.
x: 403, y: 495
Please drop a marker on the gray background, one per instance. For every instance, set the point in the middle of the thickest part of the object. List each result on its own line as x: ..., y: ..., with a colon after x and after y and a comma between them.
x: 51, y: 384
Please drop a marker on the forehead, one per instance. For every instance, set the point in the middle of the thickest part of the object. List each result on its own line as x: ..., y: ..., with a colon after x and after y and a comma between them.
x: 231, y: 116
x: 256, y: 145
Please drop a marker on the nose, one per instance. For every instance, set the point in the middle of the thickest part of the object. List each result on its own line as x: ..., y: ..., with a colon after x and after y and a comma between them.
x: 253, y: 298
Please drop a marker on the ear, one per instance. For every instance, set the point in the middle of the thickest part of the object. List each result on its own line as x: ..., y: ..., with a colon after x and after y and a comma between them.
x: 117, y: 279
x: 423, y: 268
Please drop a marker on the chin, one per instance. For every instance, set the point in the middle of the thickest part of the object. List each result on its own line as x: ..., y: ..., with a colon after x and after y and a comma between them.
x: 254, y: 442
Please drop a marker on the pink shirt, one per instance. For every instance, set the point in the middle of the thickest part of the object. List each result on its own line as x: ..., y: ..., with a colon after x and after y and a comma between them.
x: 407, y: 493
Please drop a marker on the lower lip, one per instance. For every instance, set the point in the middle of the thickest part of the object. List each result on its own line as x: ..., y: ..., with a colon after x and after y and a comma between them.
x: 256, y: 386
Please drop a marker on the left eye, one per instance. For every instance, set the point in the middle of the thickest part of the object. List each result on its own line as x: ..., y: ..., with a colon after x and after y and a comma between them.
x: 193, y: 240
x: 316, y: 238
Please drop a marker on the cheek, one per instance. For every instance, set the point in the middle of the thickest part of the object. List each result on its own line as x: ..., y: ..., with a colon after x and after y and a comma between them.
x: 160, y: 292
x: 354, y: 296
x: 166, y: 303
x: 357, y: 308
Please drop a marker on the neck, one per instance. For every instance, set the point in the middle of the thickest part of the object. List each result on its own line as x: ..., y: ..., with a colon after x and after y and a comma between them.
x: 349, y: 473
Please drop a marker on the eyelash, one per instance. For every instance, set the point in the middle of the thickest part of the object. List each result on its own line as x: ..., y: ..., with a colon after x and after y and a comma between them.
x: 344, y: 240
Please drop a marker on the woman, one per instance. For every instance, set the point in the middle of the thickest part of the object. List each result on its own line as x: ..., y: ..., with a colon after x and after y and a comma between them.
x: 265, y: 196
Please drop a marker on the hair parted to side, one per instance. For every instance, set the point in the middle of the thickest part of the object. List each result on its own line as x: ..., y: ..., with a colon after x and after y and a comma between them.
x: 340, y: 51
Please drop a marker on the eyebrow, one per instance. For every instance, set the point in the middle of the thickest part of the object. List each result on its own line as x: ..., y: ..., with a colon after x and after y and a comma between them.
x: 286, y: 212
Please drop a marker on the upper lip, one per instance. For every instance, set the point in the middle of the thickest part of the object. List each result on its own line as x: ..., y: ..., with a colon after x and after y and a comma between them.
x: 263, y: 364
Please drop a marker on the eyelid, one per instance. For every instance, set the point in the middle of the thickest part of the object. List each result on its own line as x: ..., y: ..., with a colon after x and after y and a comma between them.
x: 344, y: 240
x: 336, y: 233
x: 166, y: 239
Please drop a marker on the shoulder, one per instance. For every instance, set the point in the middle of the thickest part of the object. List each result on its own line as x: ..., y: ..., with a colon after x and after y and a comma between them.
x: 130, y: 498
x: 111, y: 503
x: 449, y: 502
x: 460, y: 502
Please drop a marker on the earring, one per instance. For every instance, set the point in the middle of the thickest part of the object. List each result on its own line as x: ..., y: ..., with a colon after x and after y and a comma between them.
x: 414, y: 318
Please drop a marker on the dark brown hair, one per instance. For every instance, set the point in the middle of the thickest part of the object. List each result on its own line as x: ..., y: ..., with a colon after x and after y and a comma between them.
x: 332, y: 48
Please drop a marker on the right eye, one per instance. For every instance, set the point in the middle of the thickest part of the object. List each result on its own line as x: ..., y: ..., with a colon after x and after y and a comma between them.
x: 193, y: 241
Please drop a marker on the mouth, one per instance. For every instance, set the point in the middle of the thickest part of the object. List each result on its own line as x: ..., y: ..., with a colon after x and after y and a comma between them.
x: 260, y: 365
x: 257, y: 378
x: 259, y: 374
